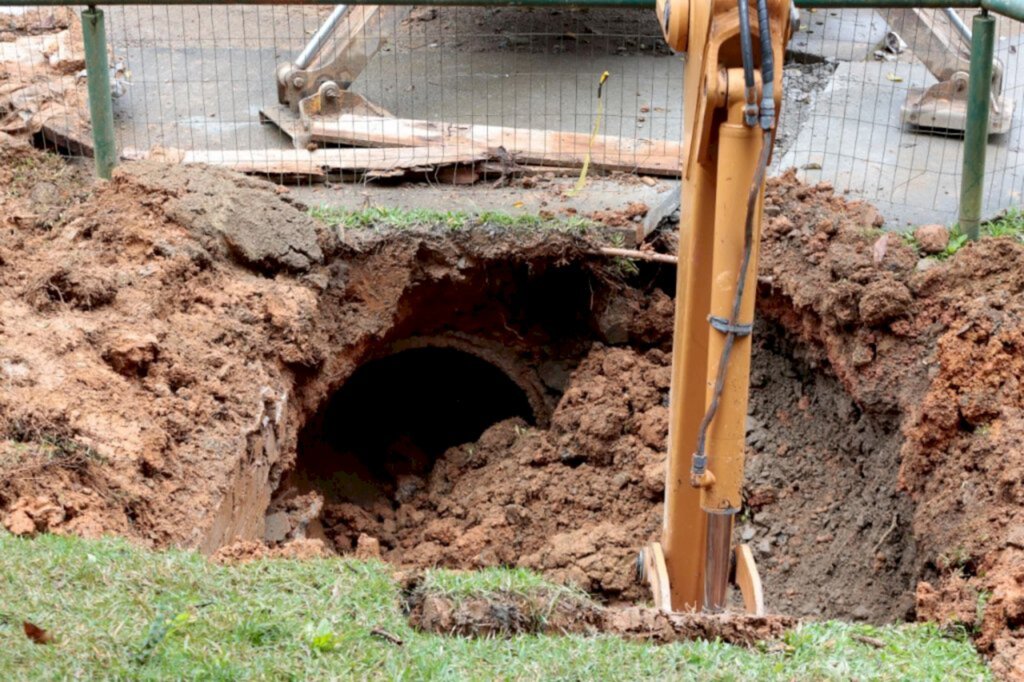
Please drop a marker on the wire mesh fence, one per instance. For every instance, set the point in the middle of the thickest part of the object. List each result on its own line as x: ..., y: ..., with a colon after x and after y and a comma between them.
x: 851, y: 129
x: 485, y: 89
x: 203, y: 78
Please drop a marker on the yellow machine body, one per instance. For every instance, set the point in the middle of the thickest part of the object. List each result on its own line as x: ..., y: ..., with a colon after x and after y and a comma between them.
x: 720, y: 158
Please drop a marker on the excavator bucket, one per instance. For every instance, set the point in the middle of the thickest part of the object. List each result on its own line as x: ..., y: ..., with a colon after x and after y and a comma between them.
x: 941, y: 41
x: 340, y: 49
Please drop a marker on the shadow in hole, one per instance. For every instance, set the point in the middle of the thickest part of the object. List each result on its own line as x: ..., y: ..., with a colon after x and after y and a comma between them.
x: 396, y: 416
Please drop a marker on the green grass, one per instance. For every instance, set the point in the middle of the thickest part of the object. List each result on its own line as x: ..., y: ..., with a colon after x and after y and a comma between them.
x: 383, y: 218
x: 119, y: 612
x: 1010, y: 224
x: 520, y: 581
x: 28, y: 169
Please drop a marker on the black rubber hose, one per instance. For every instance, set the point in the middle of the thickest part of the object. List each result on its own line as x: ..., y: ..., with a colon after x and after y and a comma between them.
x: 700, y: 460
x: 767, y: 67
x: 747, y: 52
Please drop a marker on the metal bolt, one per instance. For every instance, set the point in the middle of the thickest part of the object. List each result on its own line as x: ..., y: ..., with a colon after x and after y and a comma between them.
x: 298, y: 81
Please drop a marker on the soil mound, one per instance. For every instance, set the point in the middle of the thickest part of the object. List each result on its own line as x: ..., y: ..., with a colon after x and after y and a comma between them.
x: 507, y: 614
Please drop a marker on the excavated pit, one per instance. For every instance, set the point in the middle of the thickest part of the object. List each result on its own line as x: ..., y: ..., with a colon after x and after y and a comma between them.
x: 516, y: 414
x: 480, y: 399
x: 824, y: 516
x: 440, y: 457
x: 221, y: 370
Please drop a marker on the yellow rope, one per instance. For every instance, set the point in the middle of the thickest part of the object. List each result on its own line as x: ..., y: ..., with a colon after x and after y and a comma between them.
x: 590, y: 145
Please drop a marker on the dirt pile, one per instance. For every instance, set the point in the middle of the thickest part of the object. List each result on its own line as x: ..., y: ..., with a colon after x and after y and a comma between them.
x: 187, y: 359
x: 135, y: 363
x: 509, y: 613
x: 574, y: 501
x: 157, y: 370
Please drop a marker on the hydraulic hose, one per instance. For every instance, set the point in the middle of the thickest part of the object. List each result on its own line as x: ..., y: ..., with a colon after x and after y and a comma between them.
x: 767, y: 67
x: 767, y: 121
x: 700, y: 455
x: 747, y: 53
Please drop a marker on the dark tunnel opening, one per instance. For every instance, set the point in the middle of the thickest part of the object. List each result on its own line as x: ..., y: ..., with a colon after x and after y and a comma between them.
x: 395, y: 416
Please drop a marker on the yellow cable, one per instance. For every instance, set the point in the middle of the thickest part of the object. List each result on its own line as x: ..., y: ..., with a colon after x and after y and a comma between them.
x: 590, y: 145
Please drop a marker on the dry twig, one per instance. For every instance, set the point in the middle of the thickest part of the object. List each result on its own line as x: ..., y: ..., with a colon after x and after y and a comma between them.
x: 870, y: 641
x: 640, y: 255
x: 387, y: 636
x: 892, y: 527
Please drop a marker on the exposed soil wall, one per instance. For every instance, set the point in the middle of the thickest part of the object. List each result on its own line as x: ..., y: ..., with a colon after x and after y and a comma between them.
x: 174, y: 346
x: 936, y: 347
x: 194, y: 321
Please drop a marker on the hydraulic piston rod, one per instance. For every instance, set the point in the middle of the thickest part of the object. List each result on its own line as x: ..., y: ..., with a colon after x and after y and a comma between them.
x: 320, y: 38
x: 730, y: 121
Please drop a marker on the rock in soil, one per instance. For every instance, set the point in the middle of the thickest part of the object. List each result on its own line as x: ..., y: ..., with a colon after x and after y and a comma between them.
x: 932, y: 239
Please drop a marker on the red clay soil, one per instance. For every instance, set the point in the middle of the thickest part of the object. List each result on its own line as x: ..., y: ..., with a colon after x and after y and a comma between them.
x: 161, y: 350
x: 168, y: 339
x: 573, y: 501
x: 942, y: 347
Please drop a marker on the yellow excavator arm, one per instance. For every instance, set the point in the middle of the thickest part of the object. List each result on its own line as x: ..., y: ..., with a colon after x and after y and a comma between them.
x: 733, y: 89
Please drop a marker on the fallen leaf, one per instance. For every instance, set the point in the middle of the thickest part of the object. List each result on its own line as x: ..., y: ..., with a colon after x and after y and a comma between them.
x: 880, y: 247
x: 517, y: 204
x: 36, y: 633
x: 894, y: 78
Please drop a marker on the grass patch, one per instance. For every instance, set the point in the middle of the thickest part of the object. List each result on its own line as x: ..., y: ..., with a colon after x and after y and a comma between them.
x: 468, y: 584
x: 120, y: 612
x: 25, y: 169
x: 1009, y: 224
x: 390, y: 218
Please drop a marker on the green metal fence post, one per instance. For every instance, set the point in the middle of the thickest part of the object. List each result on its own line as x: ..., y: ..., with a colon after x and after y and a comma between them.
x: 979, y: 94
x: 101, y: 108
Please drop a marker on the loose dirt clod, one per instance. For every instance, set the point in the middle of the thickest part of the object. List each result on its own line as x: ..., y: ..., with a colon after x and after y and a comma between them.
x: 233, y: 215
x: 486, y: 397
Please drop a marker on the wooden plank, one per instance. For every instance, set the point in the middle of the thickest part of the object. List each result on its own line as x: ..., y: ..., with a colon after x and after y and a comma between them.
x: 749, y: 580
x: 529, y: 146
x: 657, y: 576
x: 317, y: 163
